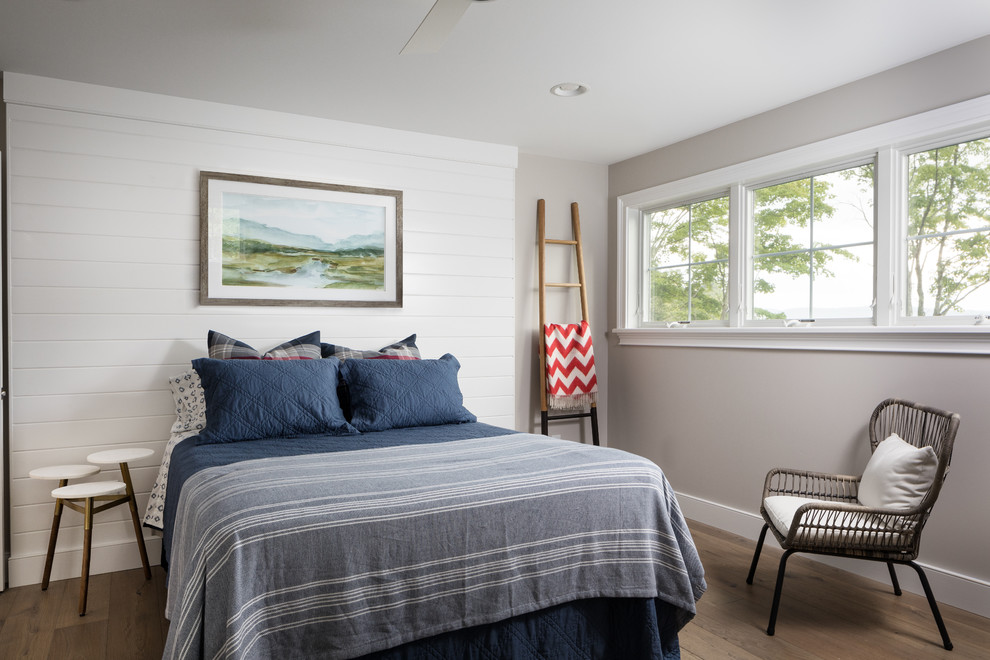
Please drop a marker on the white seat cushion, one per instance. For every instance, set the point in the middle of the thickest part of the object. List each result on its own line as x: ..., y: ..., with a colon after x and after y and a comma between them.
x: 781, y: 510
x: 898, y: 475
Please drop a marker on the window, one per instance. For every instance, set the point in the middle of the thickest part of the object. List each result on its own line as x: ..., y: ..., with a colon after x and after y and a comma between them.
x: 877, y: 240
x: 688, y: 262
x: 948, y: 231
x: 813, y: 248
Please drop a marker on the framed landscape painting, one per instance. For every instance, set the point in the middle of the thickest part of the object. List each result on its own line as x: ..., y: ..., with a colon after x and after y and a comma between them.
x: 266, y: 241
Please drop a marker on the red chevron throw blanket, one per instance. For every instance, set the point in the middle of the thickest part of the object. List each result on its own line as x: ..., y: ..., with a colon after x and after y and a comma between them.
x: 571, y: 379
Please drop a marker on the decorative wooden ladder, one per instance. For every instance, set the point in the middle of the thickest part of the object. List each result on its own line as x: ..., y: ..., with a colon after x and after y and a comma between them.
x: 545, y: 416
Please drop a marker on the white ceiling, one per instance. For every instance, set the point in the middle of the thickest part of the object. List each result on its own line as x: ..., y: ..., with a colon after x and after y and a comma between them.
x: 658, y: 71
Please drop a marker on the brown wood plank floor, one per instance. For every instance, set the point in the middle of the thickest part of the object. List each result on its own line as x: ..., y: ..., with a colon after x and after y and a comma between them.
x: 825, y: 613
x: 124, y: 619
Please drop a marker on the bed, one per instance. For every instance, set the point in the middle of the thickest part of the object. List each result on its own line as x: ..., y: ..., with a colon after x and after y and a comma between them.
x: 404, y: 528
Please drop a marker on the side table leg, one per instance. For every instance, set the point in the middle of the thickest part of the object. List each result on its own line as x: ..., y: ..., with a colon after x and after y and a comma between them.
x: 87, y: 543
x: 132, y: 503
x: 52, y: 538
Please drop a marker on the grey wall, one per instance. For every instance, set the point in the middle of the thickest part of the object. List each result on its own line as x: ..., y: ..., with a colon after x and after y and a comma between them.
x: 716, y: 420
x: 941, y: 79
x: 559, y: 182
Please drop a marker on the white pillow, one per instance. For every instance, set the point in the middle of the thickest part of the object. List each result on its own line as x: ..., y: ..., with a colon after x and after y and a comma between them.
x: 898, y: 475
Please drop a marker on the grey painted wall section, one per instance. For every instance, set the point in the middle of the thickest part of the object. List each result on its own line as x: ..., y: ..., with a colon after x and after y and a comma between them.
x: 948, y: 77
x: 559, y: 182
x: 716, y: 420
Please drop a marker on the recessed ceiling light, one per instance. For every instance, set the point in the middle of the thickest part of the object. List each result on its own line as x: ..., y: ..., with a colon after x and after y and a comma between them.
x: 568, y: 89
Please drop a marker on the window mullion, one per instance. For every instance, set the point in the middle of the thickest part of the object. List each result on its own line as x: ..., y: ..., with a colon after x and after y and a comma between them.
x: 811, y: 251
x: 890, y: 189
x: 690, y: 268
x: 644, y: 303
x: 740, y: 253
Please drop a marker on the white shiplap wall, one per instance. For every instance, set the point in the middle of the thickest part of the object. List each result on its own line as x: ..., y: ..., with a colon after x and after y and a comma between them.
x: 103, y: 240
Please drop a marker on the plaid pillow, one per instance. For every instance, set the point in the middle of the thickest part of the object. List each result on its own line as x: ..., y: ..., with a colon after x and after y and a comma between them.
x: 404, y: 349
x: 223, y: 347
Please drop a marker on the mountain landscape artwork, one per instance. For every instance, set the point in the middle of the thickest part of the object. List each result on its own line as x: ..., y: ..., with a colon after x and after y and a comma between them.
x: 273, y: 241
x: 302, y: 243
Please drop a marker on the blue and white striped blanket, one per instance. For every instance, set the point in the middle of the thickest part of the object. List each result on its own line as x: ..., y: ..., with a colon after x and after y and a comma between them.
x: 342, y: 554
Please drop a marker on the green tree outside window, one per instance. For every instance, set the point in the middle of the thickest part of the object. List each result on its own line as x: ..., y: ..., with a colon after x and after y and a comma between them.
x: 948, y: 232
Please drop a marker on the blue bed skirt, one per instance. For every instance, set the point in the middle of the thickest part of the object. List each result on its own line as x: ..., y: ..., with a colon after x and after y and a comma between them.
x: 593, y: 629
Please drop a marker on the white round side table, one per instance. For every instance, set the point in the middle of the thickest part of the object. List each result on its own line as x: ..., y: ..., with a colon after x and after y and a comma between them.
x: 110, y: 492
x: 122, y: 457
x: 90, y: 498
x: 62, y: 474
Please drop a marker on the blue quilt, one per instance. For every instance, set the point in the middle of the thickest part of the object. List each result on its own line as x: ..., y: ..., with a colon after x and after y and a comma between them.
x: 487, y: 548
x: 188, y: 457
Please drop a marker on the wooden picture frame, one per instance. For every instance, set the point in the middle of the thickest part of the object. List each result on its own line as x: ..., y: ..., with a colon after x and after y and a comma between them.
x: 270, y: 241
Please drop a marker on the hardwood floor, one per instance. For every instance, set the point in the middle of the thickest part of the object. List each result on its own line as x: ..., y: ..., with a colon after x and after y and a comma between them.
x: 124, y: 619
x: 825, y: 613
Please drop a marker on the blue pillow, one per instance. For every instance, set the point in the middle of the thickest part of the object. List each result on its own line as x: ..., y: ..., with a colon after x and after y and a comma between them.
x: 254, y: 399
x: 389, y: 394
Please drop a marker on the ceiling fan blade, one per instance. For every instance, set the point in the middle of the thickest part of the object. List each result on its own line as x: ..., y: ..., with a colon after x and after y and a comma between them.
x: 436, y: 27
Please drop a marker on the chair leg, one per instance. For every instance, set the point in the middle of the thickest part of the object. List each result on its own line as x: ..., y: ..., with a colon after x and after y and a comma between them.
x: 132, y: 503
x: 52, y: 538
x: 931, y: 603
x: 893, y: 578
x: 776, y: 592
x: 756, y: 555
x: 87, y: 544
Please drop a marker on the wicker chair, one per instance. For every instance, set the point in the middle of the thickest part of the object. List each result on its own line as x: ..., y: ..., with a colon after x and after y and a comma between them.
x: 838, y: 524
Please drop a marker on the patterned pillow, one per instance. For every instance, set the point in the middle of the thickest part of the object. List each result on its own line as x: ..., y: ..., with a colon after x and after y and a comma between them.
x: 155, y: 511
x: 223, y: 347
x: 190, y: 403
x: 389, y: 394
x: 404, y: 349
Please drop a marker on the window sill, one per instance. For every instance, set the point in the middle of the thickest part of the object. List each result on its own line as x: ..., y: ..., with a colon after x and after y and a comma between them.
x: 956, y: 340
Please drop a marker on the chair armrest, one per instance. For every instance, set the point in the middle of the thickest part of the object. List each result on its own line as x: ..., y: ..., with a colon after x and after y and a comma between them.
x: 825, y: 525
x: 814, y: 485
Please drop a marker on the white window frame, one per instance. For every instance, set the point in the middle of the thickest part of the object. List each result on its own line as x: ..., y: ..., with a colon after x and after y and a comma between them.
x: 645, y: 238
x: 747, y: 219
x: 888, y: 145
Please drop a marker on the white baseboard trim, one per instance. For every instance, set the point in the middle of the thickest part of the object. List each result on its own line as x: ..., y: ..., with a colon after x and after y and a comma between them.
x: 28, y: 569
x: 951, y: 588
